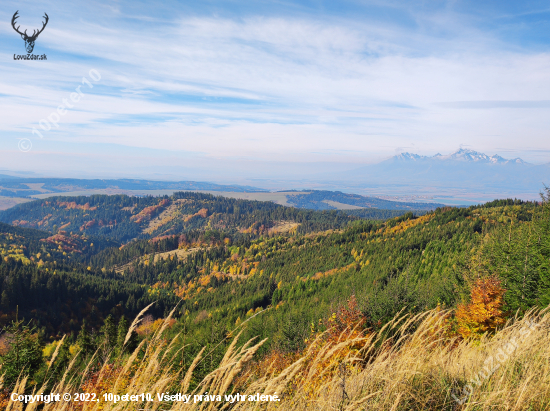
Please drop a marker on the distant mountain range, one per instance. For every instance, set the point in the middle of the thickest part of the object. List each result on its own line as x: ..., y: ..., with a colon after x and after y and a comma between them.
x: 461, y: 155
x: 463, y: 169
x: 463, y: 177
x: 24, y: 187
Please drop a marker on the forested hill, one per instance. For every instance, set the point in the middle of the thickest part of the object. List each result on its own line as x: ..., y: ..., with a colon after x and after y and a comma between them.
x: 27, y: 244
x: 123, y: 218
x: 411, y: 263
x: 226, y: 275
x: 247, y: 269
x: 46, y: 277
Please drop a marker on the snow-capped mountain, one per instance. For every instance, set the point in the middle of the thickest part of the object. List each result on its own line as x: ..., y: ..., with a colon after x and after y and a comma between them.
x: 460, y: 155
x: 464, y: 169
x: 409, y: 157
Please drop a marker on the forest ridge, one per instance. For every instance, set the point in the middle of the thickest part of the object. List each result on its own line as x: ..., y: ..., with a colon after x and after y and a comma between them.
x: 275, y: 272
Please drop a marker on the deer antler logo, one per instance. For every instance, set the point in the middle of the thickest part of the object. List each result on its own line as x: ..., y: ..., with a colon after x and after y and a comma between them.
x: 29, y: 40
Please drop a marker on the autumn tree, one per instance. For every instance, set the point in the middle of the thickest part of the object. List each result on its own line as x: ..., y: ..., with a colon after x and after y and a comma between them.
x: 484, y: 313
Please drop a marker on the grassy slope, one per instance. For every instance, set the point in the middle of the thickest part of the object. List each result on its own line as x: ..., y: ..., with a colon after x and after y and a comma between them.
x: 421, y: 372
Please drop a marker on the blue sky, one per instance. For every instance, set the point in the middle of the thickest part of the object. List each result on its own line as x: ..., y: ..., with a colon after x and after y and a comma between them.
x: 216, y: 90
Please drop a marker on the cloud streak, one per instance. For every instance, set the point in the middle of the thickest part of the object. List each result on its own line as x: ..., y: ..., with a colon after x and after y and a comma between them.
x: 495, y: 104
x: 279, y: 86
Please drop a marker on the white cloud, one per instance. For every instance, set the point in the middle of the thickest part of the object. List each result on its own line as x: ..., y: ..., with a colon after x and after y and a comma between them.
x: 282, y: 88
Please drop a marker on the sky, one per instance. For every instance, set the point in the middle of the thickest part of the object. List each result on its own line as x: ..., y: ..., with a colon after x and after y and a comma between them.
x: 237, y: 90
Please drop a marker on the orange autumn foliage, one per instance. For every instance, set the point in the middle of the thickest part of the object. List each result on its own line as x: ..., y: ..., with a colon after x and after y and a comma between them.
x: 203, y: 212
x: 333, y: 271
x: 149, y: 326
x: 334, y: 351
x: 148, y: 212
x: 73, y: 206
x: 485, y: 312
x: 327, y: 353
x: 4, y: 398
x: 100, y: 382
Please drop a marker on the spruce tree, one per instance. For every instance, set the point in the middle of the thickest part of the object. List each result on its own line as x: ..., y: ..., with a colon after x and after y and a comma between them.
x: 122, y: 331
x: 108, y: 332
x: 25, y: 353
x: 84, y: 340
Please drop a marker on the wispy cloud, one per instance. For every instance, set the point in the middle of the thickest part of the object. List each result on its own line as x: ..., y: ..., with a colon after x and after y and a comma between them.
x: 495, y: 104
x: 281, y: 82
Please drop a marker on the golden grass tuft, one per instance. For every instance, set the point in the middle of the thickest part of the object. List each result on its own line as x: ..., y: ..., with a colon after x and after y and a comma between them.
x: 410, y: 364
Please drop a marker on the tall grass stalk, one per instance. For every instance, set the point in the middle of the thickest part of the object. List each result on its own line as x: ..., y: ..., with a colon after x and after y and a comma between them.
x: 409, y: 365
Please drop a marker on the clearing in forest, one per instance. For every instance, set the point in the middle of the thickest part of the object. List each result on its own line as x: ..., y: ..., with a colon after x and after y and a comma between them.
x: 167, y: 215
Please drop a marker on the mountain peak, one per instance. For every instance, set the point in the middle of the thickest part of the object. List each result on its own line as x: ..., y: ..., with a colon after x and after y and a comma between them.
x: 408, y: 157
x: 467, y: 155
x: 463, y: 154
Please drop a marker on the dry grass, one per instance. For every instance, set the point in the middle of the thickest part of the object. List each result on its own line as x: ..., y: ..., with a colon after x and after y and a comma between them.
x: 179, y: 253
x: 283, y: 227
x: 409, y: 365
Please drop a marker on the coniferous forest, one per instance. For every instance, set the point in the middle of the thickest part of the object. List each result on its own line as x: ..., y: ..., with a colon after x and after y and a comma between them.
x: 328, y: 289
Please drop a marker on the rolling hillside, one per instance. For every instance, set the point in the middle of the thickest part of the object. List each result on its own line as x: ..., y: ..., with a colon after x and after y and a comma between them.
x: 124, y: 218
x: 235, y: 263
x: 279, y: 283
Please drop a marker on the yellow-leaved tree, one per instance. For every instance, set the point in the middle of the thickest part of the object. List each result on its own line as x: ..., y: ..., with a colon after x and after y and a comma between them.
x: 484, y: 313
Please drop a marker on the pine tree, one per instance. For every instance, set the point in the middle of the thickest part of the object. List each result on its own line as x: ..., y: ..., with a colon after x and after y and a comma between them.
x: 520, y: 255
x: 122, y: 331
x: 84, y: 341
x: 25, y: 354
x: 542, y: 241
x: 108, y: 332
x: 58, y: 367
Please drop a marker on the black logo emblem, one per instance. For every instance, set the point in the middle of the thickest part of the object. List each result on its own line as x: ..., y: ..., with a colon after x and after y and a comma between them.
x: 29, y: 40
